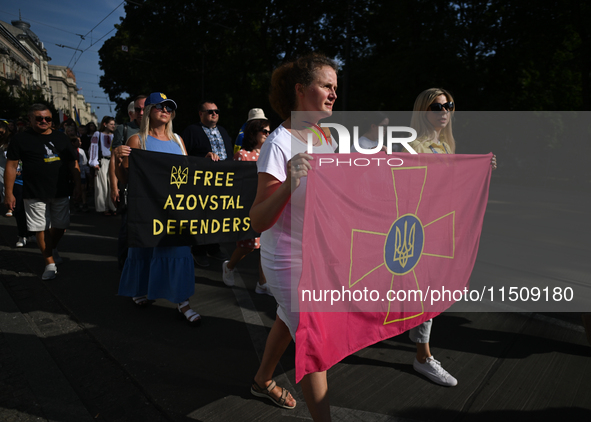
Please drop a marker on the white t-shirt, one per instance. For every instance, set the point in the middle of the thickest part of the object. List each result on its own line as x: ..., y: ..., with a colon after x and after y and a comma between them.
x: 102, y: 141
x: 284, y: 240
x: 83, y: 163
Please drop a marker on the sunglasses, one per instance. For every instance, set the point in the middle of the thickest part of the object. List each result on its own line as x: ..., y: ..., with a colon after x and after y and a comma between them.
x: 41, y: 118
x: 438, y: 107
x: 212, y: 111
x: 139, y: 109
x: 265, y: 131
x: 164, y: 107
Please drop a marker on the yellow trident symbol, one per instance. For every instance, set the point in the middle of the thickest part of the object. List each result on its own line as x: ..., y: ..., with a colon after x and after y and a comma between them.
x: 178, y: 176
x: 403, y: 249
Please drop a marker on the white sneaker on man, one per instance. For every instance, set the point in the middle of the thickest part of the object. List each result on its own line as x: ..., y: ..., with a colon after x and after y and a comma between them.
x: 227, y: 274
x: 433, y: 370
x: 21, y: 242
x: 50, y: 272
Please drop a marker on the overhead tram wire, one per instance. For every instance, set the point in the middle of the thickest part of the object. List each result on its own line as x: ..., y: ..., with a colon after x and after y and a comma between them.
x: 105, y: 18
x: 78, y: 49
x: 91, y: 46
x: 82, y: 37
x: 88, y: 82
x: 60, y: 29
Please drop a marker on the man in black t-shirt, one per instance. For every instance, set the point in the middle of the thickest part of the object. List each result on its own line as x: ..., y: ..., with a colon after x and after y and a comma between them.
x: 47, y: 158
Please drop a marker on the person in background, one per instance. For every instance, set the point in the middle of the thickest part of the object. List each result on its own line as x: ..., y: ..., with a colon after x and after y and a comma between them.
x: 82, y: 133
x: 70, y: 131
x: 372, y: 124
x: 135, y: 110
x: 85, y: 138
x: 18, y: 212
x: 12, y: 127
x: 254, y: 113
x: 210, y: 140
x: 255, y: 134
x: 21, y: 125
x: 4, y: 141
x: 84, y: 172
x: 100, y: 158
x: 24, y: 235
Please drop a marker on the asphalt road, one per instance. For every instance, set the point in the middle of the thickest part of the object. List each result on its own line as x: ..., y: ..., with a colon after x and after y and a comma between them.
x: 72, y: 350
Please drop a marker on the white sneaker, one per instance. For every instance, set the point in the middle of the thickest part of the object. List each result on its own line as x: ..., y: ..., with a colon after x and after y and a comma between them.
x: 56, y: 257
x: 227, y: 274
x: 22, y: 241
x: 50, y: 272
x: 433, y: 370
x: 263, y: 289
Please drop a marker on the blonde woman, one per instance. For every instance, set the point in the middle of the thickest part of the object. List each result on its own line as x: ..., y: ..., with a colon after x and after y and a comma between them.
x: 432, y: 119
x: 159, y: 272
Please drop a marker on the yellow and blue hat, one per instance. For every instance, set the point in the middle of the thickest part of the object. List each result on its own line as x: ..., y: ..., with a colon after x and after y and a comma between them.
x: 157, y: 98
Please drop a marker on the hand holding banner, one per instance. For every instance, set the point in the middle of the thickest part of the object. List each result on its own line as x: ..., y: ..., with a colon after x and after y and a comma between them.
x: 179, y: 200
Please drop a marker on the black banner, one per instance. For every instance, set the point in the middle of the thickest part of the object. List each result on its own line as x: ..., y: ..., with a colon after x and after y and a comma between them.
x: 176, y: 200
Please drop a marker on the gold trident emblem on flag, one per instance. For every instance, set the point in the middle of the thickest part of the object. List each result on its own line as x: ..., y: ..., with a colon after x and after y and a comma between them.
x: 403, y: 248
x: 179, y: 176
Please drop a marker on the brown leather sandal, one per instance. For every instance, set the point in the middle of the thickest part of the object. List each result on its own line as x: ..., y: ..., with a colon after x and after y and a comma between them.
x: 266, y: 393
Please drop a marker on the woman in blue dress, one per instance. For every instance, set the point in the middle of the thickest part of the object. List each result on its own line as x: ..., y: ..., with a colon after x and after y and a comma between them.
x: 159, y: 272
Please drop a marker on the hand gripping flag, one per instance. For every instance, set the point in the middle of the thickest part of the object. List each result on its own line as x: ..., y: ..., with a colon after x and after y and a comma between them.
x: 384, y: 248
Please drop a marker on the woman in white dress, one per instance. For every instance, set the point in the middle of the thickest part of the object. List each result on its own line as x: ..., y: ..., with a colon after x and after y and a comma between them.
x: 307, y: 86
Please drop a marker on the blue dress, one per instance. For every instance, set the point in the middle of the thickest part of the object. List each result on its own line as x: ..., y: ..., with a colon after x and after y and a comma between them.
x: 160, y: 272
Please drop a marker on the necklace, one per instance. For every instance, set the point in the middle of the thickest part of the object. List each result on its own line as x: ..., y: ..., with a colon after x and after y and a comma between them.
x: 297, y: 132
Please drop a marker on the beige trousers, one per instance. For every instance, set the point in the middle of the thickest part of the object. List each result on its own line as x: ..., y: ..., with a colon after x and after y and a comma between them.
x: 102, y: 201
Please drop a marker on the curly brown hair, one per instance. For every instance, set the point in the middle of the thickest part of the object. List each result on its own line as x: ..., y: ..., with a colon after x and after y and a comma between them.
x: 284, y: 79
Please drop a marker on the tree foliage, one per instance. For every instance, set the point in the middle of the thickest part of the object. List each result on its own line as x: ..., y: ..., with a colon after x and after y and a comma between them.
x: 493, y: 55
x: 499, y: 55
x: 223, y: 51
x: 16, y: 104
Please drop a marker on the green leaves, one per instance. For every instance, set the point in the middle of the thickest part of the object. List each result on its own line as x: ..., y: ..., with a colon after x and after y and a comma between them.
x: 496, y: 54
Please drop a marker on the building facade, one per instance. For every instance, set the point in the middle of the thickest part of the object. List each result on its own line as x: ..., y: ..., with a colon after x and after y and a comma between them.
x: 24, y: 64
x: 16, y: 61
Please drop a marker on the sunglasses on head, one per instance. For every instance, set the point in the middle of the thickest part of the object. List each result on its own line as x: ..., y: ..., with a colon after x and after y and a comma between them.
x: 165, y: 107
x: 265, y: 131
x: 212, y: 111
x: 41, y: 118
x: 438, y: 107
